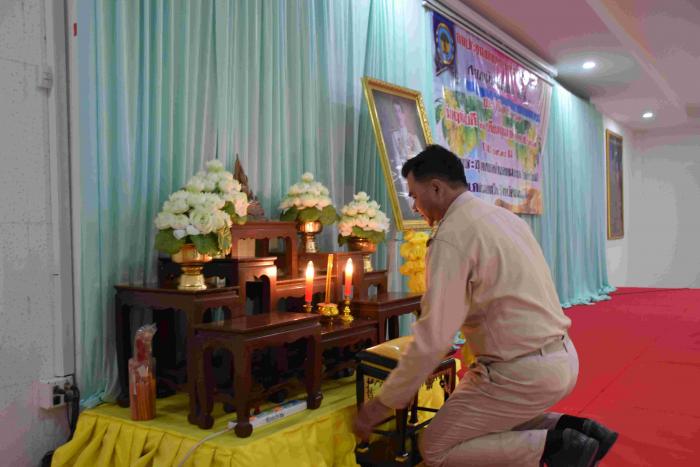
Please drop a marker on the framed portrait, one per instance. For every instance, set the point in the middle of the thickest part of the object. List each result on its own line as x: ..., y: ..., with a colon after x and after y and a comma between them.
x: 614, y: 175
x: 401, y: 130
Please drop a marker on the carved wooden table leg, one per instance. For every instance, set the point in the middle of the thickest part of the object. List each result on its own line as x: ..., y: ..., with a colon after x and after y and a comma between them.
x: 205, y: 387
x: 313, y: 371
x: 242, y: 383
x: 123, y: 336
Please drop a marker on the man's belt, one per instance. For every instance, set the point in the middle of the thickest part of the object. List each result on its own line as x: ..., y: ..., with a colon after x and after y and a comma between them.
x: 555, y: 346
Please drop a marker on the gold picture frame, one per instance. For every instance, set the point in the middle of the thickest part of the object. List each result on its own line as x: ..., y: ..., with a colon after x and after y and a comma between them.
x: 401, y: 130
x: 615, y: 193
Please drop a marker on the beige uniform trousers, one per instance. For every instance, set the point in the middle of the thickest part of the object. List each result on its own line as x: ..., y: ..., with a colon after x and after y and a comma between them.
x: 496, y: 415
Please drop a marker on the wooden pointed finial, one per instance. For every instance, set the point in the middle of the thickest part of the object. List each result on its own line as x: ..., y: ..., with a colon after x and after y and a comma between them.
x: 255, y: 210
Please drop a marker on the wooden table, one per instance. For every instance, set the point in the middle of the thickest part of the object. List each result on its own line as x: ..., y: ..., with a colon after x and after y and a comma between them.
x: 193, y: 304
x: 263, y: 231
x: 387, y: 307
x: 355, y: 336
x: 241, y: 336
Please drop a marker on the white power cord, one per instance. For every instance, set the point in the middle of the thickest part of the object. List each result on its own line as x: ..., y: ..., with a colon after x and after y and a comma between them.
x: 193, y: 448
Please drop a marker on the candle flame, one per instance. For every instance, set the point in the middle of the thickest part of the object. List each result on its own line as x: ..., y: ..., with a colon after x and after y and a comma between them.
x: 348, y: 267
x: 310, y: 270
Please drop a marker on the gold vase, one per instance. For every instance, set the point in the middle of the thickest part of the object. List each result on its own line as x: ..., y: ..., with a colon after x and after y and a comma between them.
x: 192, y: 262
x: 308, y: 231
x: 365, y: 246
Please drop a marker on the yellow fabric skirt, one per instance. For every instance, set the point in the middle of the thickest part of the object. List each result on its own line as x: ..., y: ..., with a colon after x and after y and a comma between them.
x: 106, y: 436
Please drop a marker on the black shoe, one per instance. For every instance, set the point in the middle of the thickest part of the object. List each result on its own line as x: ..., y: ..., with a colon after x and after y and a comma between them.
x: 578, y: 450
x: 606, y: 438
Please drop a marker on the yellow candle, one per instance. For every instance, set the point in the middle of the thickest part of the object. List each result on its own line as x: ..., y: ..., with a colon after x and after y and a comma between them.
x: 329, y: 272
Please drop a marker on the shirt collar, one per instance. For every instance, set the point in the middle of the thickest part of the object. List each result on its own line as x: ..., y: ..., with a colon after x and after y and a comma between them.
x: 458, y: 201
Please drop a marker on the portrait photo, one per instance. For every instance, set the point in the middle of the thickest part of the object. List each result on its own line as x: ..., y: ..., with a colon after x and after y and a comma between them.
x: 613, y: 157
x: 401, y: 130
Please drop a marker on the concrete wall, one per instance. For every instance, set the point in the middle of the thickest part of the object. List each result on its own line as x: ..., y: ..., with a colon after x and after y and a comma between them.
x: 30, y: 271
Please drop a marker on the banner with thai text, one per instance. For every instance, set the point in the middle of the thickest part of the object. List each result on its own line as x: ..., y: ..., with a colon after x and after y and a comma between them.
x: 492, y: 112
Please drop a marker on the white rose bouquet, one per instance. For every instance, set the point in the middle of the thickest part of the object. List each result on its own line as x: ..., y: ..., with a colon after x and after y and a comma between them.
x: 202, y: 213
x: 362, y: 218
x: 218, y: 180
x: 308, y: 201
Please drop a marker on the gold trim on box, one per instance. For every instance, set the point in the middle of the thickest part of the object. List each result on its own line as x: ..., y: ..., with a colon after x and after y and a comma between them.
x: 370, y: 84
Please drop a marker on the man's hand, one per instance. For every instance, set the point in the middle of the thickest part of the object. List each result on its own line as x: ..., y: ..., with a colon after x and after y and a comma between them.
x: 371, y: 413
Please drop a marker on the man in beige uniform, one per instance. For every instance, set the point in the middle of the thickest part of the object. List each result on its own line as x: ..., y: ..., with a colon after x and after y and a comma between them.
x: 486, y: 274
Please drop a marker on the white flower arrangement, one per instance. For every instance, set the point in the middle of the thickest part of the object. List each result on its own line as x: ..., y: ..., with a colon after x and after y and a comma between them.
x: 362, y: 218
x: 202, y: 213
x: 218, y: 180
x: 308, y: 201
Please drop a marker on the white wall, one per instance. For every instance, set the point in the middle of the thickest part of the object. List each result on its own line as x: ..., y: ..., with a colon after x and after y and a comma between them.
x: 618, y: 250
x: 661, y: 207
x: 31, y: 300
x: 664, y: 215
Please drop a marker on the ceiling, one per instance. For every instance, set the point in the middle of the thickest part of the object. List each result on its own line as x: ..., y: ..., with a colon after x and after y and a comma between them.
x: 647, y: 52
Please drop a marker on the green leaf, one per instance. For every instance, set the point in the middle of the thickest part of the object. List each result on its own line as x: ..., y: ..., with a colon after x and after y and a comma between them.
x: 240, y: 220
x: 309, y: 214
x: 289, y: 215
x: 224, y: 239
x: 342, y: 240
x: 229, y: 209
x: 206, y: 244
x: 328, y: 215
x: 358, y: 232
x: 167, y: 243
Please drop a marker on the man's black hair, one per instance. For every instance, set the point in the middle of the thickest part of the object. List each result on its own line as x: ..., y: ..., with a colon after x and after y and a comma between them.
x: 435, y: 162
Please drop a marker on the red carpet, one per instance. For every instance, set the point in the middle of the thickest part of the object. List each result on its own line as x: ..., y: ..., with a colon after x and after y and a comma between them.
x: 640, y: 374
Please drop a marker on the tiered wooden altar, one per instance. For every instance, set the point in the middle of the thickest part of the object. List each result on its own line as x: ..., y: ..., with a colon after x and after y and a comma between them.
x: 271, y: 284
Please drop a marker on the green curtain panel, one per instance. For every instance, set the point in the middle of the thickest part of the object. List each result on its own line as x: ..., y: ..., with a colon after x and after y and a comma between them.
x: 166, y: 85
x: 571, y: 230
x: 147, y: 81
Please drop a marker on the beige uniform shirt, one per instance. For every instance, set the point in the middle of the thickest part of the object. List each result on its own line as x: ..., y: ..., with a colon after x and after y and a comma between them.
x: 486, y: 274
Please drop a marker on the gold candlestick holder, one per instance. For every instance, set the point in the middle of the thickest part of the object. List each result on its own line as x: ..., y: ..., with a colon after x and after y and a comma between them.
x: 346, y: 317
x: 308, y: 307
x: 327, y: 310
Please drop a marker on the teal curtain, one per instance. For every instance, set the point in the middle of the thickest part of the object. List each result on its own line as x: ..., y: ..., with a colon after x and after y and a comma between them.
x: 168, y: 84
x: 571, y: 230
x: 146, y: 124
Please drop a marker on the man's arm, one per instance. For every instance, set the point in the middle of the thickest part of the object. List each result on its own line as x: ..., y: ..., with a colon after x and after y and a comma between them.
x: 443, y: 310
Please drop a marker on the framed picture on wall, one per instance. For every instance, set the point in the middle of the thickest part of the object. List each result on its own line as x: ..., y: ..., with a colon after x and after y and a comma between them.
x: 613, y: 159
x: 401, y: 130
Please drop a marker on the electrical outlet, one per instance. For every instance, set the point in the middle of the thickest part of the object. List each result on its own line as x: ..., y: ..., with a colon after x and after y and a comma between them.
x: 47, y: 394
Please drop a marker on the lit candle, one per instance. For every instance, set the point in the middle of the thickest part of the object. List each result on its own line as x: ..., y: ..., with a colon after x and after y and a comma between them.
x: 308, y: 291
x: 348, y: 278
x: 329, y: 272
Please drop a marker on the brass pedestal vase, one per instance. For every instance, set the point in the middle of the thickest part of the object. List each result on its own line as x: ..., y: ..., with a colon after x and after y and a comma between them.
x: 192, y: 262
x: 365, y: 246
x: 308, y: 231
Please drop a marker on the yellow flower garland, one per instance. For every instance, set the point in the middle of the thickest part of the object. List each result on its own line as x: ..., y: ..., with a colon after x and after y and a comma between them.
x: 413, y: 250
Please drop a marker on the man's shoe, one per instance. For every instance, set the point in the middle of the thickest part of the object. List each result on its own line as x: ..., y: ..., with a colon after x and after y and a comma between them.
x: 577, y: 450
x: 605, y: 437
